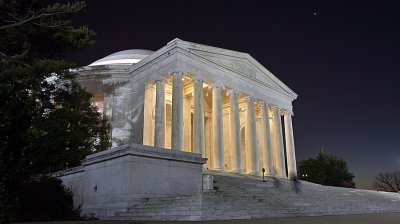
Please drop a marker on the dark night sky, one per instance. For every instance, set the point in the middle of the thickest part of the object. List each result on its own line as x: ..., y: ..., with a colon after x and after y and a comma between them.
x: 341, y: 57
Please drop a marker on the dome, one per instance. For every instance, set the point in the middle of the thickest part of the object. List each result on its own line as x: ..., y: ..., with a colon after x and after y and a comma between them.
x: 126, y: 57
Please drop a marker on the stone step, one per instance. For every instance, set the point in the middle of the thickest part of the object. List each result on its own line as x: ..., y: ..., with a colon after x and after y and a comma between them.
x: 158, y: 218
x: 241, y: 197
x: 161, y: 212
x: 165, y: 207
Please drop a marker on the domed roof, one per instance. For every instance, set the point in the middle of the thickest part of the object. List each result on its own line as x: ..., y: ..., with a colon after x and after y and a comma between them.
x: 126, y: 57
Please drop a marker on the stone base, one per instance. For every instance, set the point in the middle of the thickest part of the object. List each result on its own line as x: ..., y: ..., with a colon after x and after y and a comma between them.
x: 110, y: 181
x: 136, y: 182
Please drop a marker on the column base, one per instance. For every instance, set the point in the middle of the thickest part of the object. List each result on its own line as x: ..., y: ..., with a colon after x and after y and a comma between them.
x: 270, y: 175
x: 240, y: 171
x: 292, y: 176
x: 218, y: 169
x: 255, y: 173
x: 282, y: 177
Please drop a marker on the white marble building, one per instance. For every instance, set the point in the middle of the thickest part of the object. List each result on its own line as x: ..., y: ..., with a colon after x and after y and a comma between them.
x: 190, y: 97
x: 170, y: 110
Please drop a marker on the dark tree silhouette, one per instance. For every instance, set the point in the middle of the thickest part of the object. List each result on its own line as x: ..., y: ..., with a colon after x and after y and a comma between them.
x: 46, y: 120
x: 326, y: 169
x: 388, y: 181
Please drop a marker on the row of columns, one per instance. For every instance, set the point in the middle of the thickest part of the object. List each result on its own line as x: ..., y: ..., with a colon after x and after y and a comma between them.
x: 273, y: 148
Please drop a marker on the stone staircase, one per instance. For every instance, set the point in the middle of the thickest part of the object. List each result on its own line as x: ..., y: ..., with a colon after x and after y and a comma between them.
x: 239, y: 196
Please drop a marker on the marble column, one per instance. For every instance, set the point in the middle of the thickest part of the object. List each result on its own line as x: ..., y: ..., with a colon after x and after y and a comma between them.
x: 236, y: 145
x: 187, y: 122
x: 278, y: 149
x: 266, y: 140
x: 218, y: 132
x: 198, y: 118
x: 290, y: 152
x: 159, y: 136
x: 177, y: 111
x: 252, y: 166
x: 148, y: 122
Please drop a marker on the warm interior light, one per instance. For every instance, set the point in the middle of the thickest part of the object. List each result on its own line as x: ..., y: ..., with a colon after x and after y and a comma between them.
x: 98, y: 101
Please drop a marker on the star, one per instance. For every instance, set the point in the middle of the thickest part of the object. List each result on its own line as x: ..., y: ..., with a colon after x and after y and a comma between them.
x: 315, y: 13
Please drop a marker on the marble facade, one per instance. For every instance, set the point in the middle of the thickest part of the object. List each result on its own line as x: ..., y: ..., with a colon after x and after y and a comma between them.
x: 189, y: 97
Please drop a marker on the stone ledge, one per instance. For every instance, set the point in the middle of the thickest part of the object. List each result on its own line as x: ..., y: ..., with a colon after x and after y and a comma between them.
x: 77, y: 169
x: 144, y: 151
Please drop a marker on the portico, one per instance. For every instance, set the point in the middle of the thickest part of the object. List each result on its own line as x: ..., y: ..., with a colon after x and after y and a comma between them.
x: 206, y: 115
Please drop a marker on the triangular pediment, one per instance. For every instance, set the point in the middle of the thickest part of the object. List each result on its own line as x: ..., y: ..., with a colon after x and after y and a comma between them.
x: 237, y: 62
x: 239, y: 65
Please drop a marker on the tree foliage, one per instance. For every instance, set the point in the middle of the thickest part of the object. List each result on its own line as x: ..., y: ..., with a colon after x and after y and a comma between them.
x: 326, y: 169
x: 389, y: 181
x: 46, y: 120
x: 46, y: 199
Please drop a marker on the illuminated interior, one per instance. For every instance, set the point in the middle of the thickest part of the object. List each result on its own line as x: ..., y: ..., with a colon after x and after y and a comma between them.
x: 98, y: 101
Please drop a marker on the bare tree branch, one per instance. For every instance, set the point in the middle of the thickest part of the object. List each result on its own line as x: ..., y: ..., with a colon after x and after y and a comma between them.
x: 388, y: 182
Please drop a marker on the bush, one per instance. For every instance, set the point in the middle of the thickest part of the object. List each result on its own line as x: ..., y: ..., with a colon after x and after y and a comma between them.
x: 326, y: 169
x: 46, y: 199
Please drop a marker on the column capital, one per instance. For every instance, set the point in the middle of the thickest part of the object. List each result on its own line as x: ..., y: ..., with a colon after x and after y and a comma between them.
x: 196, y: 79
x: 216, y: 85
x: 275, y: 108
x: 249, y: 98
x: 232, y: 92
x: 161, y: 80
x: 176, y: 73
x: 264, y: 103
x: 149, y: 83
x: 261, y: 102
x: 287, y: 112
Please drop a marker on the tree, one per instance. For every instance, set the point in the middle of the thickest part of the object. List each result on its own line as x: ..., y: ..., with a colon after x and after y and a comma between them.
x: 388, y: 181
x: 46, y: 199
x: 326, y: 169
x: 46, y: 120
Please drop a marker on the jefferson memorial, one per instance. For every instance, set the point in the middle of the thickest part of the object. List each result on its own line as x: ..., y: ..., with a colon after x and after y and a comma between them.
x: 193, y: 129
x: 220, y: 103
